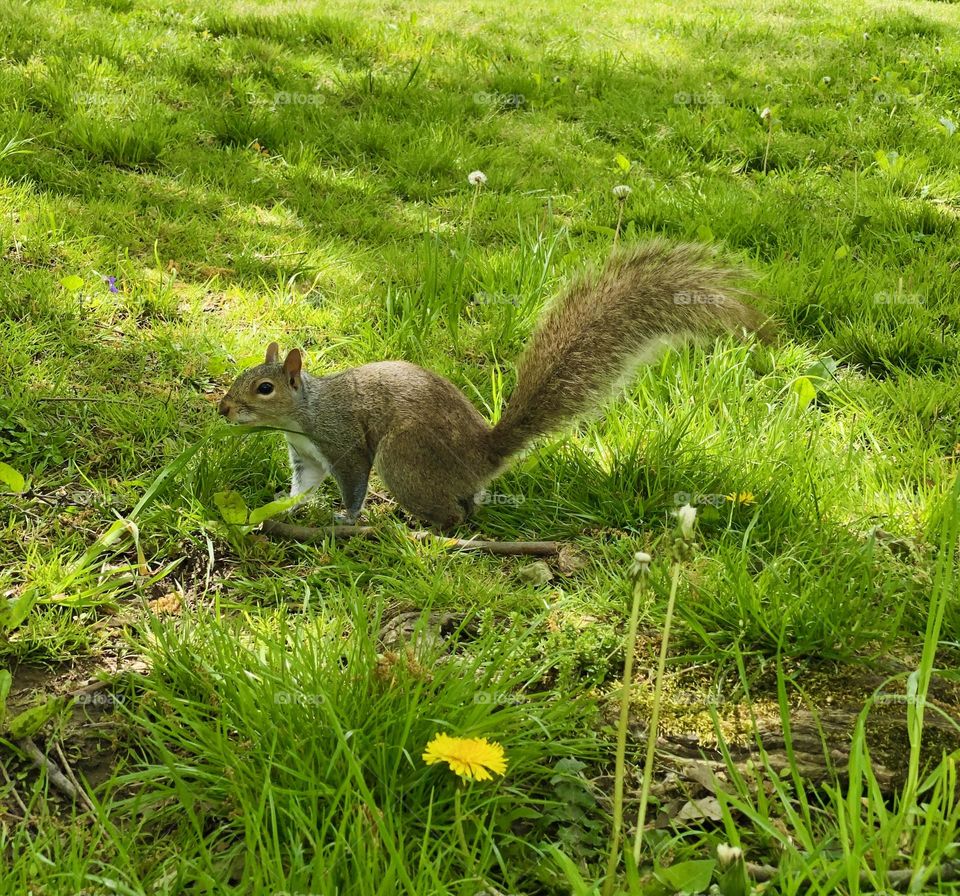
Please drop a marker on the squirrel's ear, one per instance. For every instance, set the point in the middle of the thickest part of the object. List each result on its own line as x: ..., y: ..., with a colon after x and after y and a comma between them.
x: 292, y: 365
x: 273, y: 350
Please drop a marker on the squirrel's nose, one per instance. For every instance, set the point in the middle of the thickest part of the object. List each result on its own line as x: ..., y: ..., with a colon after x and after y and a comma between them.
x: 225, y: 407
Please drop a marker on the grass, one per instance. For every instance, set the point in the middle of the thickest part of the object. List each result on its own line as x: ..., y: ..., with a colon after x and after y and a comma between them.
x: 249, y: 172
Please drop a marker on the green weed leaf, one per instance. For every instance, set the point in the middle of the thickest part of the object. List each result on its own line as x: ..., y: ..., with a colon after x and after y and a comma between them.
x: 15, y: 610
x: 232, y: 507
x: 73, y: 283
x: 12, y: 479
x: 688, y: 877
x: 259, y: 514
x: 6, y: 680
x: 30, y: 721
x: 805, y: 391
x: 734, y: 881
x: 823, y: 370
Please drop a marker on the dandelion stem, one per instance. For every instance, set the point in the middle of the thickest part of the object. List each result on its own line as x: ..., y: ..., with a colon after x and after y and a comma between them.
x: 616, y: 235
x: 766, y: 151
x: 473, y: 205
x: 461, y: 837
x: 614, y: 859
x: 655, y: 715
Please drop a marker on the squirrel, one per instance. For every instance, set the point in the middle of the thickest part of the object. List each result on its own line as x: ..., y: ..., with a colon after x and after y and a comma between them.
x: 434, y: 451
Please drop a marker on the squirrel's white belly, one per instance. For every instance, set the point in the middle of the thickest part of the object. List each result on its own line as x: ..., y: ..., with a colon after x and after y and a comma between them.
x: 308, y: 464
x: 307, y: 451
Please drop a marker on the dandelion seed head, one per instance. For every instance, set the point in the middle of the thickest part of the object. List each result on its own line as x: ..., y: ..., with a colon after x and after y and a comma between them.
x: 641, y: 564
x: 477, y: 178
x: 686, y: 517
x: 727, y: 854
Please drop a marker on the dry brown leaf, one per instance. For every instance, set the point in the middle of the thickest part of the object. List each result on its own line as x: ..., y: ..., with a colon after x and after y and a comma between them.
x: 168, y: 605
x: 697, y: 810
x: 571, y: 559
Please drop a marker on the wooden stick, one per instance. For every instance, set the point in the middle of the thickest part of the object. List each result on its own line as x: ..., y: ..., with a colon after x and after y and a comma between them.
x: 898, y: 880
x: 522, y: 548
x: 96, y: 400
x: 73, y: 778
x: 13, y: 791
x: 56, y: 777
x: 311, y: 534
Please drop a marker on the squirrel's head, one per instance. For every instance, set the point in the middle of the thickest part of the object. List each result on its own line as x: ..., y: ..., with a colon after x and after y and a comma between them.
x: 267, y: 394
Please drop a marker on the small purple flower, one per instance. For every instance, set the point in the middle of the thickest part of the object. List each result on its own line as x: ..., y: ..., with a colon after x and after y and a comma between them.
x: 112, y: 283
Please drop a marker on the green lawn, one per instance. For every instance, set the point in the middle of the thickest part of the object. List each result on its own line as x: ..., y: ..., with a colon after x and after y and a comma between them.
x: 249, y: 172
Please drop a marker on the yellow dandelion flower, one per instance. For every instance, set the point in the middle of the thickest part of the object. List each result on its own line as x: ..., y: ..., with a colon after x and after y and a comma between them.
x: 741, y: 498
x: 472, y: 758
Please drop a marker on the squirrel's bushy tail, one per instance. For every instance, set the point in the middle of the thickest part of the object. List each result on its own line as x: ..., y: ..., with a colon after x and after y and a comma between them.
x: 604, y: 325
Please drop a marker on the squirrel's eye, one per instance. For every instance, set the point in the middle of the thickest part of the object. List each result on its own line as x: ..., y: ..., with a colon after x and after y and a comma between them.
x: 265, y: 388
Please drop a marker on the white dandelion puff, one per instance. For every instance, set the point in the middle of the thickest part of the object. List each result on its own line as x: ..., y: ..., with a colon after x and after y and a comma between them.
x: 686, y: 516
x: 727, y: 854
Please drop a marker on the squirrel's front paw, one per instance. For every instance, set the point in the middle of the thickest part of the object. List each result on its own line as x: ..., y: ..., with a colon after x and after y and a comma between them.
x: 345, y: 518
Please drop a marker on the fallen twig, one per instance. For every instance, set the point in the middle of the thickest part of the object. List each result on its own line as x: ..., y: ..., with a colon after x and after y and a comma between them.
x: 310, y: 534
x: 56, y: 777
x: 73, y: 779
x: 901, y: 879
x: 897, y: 880
x: 761, y: 873
x: 82, y: 398
x: 13, y: 791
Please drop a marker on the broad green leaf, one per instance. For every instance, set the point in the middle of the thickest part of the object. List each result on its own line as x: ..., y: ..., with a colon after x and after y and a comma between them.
x: 259, y: 514
x: 841, y: 253
x: 116, y: 530
x: 6, y: 680
x: 14, y: 611
x: 73, y: 282
x: 804, y: 389
x: 704, y: 234
x: 11, y: 478
x: 889, y: 161
x: 913, y: 696
x: 232, y: 507
x: 597, y: 228
x: 30, y: 721
x: 622, y: 161
x: 824, y: 370
x: 578, y: 885
x: 734, y: 881
x: 688, y: 877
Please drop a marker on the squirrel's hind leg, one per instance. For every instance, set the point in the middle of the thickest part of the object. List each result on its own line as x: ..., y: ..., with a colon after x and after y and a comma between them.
x: 428, y: 480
